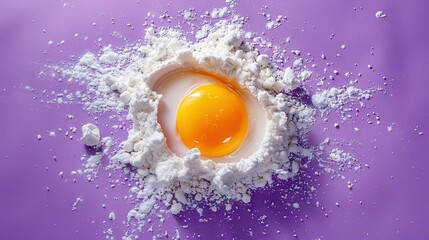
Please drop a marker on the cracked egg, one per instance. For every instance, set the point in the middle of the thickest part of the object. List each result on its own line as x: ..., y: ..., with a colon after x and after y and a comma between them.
x: 200, y: 109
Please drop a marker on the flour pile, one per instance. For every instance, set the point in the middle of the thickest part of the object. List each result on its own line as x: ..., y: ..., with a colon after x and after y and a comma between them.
x: 118, y: 80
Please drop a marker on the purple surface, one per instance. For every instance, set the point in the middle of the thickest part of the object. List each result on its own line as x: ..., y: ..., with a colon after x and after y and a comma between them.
x: 393, y: 192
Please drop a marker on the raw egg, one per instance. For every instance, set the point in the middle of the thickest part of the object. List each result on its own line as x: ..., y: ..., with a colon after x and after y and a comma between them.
x: 199, y: 109
x: 212, y: 118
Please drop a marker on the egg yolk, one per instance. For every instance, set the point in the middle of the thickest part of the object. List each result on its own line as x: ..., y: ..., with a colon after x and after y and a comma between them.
x: 212, y: 118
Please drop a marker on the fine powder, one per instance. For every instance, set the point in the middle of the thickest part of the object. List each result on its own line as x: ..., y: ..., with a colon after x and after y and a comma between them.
x: 117, y: 80
x: 185, y: 181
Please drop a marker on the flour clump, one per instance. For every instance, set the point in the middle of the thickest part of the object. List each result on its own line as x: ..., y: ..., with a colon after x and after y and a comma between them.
x: 90, y: 135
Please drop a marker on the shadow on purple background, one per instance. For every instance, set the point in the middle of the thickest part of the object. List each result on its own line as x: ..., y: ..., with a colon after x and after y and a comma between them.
x: 268, y: 208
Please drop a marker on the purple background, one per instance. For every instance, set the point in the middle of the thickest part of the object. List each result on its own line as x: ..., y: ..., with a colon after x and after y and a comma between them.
x: 393, y: 191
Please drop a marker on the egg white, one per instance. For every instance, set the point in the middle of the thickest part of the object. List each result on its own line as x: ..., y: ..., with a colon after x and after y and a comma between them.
x: 176, y: 84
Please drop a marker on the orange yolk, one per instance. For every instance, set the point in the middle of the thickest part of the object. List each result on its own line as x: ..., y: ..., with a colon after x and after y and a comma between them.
x: 212, y: 118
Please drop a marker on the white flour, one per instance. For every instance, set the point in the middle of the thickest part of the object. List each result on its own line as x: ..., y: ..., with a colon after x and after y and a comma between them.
x: 90, y: 135
x: 334, y: 98
x: 380, y: 14
x: 116, y: 81
x: 182, y: 182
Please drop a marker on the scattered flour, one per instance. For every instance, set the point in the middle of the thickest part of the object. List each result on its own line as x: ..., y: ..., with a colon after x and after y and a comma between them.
x: 188, y: 15
x: 339, y: 155
x: 270, y: 25
x: 334, y: 98
x: 380, y: 14
x: 273, y: 24
x: 76, y: 202
x: 91, y: 163
x: 338, y: 161
x: 117, y: 80
x: 182, y: 182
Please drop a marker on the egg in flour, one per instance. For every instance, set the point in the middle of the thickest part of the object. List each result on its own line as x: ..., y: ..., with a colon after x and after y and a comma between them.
x: 202, y: 110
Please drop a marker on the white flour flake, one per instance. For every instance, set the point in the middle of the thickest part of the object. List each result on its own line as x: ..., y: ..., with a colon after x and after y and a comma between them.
x: 380, y: 14
x: 90, y: 135
x: 290, y: 80
x: 112, y: 216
